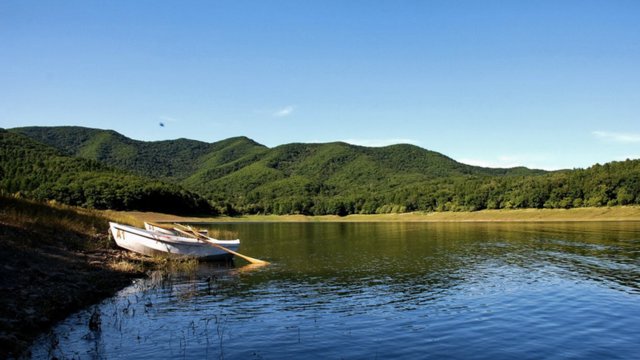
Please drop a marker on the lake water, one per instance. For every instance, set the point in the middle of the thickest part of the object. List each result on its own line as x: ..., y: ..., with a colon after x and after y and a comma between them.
x: 383, y: 290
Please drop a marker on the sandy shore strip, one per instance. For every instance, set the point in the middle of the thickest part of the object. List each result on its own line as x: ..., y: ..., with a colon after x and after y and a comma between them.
x: 618, y: 213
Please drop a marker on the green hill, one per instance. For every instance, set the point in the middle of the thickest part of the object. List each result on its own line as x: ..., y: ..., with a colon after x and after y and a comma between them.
x: 172, y: 159
x: 197, y: 163
x: 240, y: 175
x: 38, y: 171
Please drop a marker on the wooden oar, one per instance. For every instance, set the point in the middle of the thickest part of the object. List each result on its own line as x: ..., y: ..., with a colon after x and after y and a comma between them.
x: 212, y: 241
x: 186, y: 233
x: 161, y: 226
x: 168, y: 227
x: 248, y: 268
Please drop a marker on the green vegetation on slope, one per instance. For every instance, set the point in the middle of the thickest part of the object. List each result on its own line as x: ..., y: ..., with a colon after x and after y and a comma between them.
x: 339, y: 178
x: 43, y: 173
x: 238, y: 175
x: 172, y: 160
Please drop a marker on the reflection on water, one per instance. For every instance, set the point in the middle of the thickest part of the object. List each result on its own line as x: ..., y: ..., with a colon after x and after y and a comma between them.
x: 380, y: 290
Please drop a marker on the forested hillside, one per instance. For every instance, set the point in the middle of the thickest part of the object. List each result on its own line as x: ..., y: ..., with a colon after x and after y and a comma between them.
x: 335, y: 178
x: 238, y: 175
x: 172, y: 159
x: 40, y: 172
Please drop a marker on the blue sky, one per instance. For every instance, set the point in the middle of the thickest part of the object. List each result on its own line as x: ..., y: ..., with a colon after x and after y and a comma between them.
x: 544, y: 84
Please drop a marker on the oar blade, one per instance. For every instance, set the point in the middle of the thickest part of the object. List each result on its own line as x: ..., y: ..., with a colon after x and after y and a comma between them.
x: 212, y: 241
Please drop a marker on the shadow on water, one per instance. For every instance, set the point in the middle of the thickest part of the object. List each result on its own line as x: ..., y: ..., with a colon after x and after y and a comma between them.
x: 357, y: 290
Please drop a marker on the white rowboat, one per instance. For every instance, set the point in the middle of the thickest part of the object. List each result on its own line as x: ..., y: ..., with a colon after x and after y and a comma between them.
x: 166, y: 243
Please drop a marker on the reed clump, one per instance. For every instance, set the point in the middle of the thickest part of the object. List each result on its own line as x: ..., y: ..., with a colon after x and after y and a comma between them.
x: 126, y: 266
x: 183, y: 264
x: 223, y: 234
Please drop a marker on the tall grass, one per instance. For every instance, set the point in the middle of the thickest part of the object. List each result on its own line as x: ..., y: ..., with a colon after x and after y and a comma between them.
x: 54, y: 222
x: 57, y: 223
x: 31, y: 213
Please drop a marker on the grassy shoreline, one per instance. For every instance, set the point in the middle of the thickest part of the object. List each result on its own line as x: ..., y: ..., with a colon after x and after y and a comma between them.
x: 618, y: 213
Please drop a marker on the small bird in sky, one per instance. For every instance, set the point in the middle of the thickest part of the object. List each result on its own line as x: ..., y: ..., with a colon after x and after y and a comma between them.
x: 161, y: 124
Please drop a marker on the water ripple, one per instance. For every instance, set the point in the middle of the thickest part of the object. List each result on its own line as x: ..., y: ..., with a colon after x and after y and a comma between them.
x: 384, y: 291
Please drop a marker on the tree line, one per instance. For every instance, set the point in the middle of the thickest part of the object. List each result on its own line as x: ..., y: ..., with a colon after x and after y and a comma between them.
x: 611, y: 184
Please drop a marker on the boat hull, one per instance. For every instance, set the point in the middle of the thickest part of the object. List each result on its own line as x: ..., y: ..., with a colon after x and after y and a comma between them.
x: 153, y: 243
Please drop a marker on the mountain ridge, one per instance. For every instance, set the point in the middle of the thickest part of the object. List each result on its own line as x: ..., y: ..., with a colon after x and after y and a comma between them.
x: 83, y: 145
x: 239, y: 175
x: 242, y: 171
x: 117, y: 150
x: 36, y: 170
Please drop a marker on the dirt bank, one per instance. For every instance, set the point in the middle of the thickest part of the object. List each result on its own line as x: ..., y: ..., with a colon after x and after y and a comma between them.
x: 42, y: 282
x: 53, y: 262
